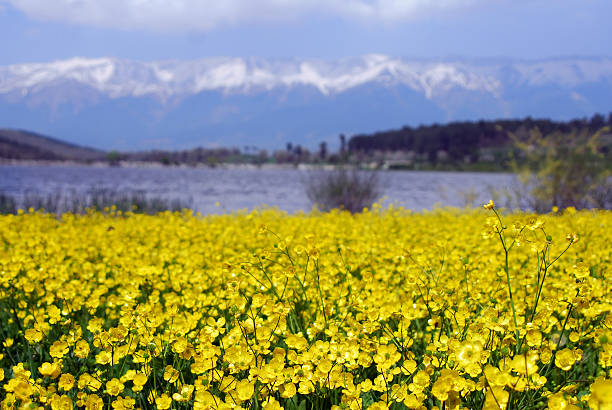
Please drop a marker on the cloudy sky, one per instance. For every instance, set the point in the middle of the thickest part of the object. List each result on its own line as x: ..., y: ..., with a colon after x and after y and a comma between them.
x: 45, y: 30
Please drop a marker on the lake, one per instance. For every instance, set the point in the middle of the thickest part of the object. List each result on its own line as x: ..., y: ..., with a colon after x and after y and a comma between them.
x: 219, y: 190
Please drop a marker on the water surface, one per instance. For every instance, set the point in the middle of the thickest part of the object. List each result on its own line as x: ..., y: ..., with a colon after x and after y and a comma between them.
x: 216, y: 190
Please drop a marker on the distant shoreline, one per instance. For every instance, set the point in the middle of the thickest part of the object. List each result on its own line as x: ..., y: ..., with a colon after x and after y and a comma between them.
x: 151, y: 164
x: 473, y: 168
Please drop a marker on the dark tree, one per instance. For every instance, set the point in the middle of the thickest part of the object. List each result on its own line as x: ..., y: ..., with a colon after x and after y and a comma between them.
x: 323, y: 150
x: 342, y: 144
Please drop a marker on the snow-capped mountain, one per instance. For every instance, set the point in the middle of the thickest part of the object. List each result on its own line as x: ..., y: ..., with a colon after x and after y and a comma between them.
x: 108, y: 102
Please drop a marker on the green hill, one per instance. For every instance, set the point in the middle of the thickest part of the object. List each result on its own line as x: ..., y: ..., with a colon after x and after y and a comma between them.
x: 26, y: 145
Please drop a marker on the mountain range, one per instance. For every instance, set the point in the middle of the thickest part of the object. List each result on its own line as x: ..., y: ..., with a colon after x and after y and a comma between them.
x: 111, y: 103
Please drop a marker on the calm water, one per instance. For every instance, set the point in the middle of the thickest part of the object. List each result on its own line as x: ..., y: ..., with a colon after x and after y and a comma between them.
x: 224, y: 190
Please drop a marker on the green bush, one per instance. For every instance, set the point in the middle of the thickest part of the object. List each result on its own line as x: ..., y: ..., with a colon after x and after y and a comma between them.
x: 563, y: 170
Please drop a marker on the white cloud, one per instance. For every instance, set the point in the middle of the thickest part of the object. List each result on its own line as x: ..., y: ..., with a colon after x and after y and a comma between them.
x: 202, y: 15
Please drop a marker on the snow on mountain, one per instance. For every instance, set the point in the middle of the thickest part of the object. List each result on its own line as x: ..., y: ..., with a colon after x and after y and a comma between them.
x: 119, y: 78
x: 267, y: 101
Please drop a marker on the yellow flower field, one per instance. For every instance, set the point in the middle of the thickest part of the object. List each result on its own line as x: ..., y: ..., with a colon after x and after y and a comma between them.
x: 383, y: 309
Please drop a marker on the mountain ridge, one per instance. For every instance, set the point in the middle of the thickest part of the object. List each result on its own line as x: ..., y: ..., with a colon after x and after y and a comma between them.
x: 119, y: 77
x: 117, y: 103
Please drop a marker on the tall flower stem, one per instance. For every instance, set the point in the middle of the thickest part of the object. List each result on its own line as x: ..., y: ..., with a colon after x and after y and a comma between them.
x: 500, y: 233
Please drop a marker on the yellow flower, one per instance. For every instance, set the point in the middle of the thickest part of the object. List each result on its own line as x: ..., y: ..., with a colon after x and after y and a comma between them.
x: 58, y: 349
x: 525, y: 363
x: 54, y: 314
x: 171, y: 375
x: 245, y: 390
x: 296, y: 342
x: 271, y: 404
x: 94, y: 402
x: 117, y: 334
x: 305, y: 387
x: 95, y: 325
x: 82, y: 349
x: 163, y: 402
x: 66, y: 382
x: 204, y: 399
x: 495, y: 377
x: 33, y: 336
x: 104, y: 357
x: 420, y: 382
x: 88, y: 381
x: 398, y: 307
x: 180, y: 345
x: 61, y: 403
x: 601, y: 394
x: 565, y: 359
x: 496, y: 399
x: 123, y: 403
x: 534, y: 337
x: 580, y: 270
x: 386, y: 356
x: 545, y: 355
x: 572, y: 237
x: 20, y: 372
x: 51, y: 370
x: 114, y: 387
x: 574, y: 337
x: 469, y: 353
x: 558, y: 401
x: 184, y: 395
x: 22, y: 389
x: 325, y: 366
x: 445, y: 383
x: 139, y: 381
x: 489, y: 205
x: 287, y: 390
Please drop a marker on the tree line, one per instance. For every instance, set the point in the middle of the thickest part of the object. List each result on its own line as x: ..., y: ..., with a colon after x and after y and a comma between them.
x: 467, y: 140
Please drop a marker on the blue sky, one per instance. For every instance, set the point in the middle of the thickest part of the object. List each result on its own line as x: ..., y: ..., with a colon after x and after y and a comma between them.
x: 45, y: 30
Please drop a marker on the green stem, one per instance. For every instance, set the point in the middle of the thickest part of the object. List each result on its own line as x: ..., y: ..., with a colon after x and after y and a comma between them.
x: 507, y: 270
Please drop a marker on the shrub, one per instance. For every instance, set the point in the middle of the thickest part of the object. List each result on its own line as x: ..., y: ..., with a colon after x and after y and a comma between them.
x: 561, y: 169
x: 343, y: 188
